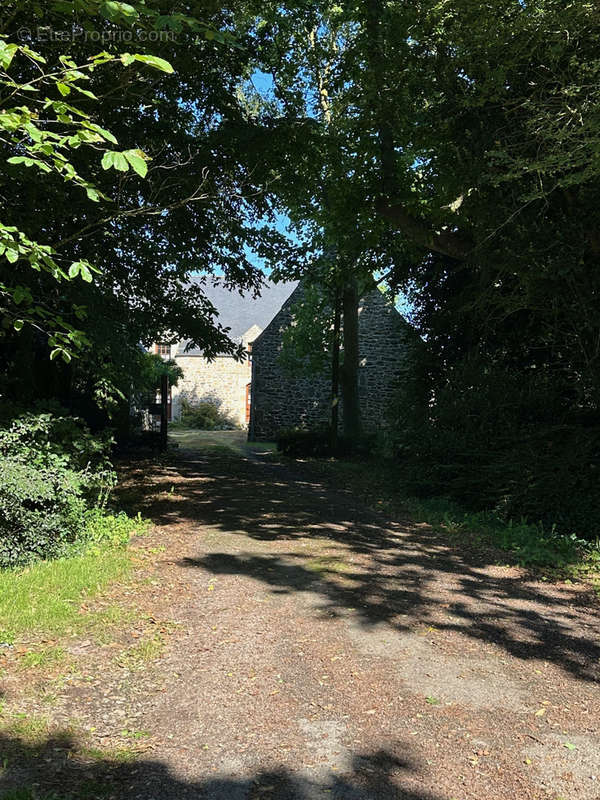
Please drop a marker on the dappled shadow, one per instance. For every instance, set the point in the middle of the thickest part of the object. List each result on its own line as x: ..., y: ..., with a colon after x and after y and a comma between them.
x: 60, y: 766
x: 379, y: 570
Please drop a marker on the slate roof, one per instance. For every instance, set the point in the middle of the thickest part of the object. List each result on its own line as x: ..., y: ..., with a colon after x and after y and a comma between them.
x: 240, y: 312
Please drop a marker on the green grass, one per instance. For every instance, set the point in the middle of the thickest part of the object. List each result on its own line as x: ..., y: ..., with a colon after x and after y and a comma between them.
x: 30, y: 729
x: 379, y: 484
x: 43, y: 657
x: 101, y: 625
x: 46, y: 597
x: 327, y: 564
x: 139, y: 655
x: 218, y: 441
x: 30, y: 738
x: 529, y: 544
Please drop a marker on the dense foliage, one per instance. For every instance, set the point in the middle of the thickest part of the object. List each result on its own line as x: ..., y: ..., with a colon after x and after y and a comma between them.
x: 135, y: 163
x: 455, y: 148
x: 55, y: 481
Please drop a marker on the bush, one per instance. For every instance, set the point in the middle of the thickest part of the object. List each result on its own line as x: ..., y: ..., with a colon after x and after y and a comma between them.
x: 297, y: 442
x: 41, y: 512
x: 316, y: 443
x: 50, y: 440
x: 205, y: 416
x: 52, y: 470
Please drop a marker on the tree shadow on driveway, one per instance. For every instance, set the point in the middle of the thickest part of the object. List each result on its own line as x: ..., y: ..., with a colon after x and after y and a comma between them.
x: 398, y: 573
x: 58, y: 768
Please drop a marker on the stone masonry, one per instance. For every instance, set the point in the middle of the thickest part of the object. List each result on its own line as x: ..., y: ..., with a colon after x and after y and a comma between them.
x: 222, y: 382
x: 225, y: 381
x: 280, y: 400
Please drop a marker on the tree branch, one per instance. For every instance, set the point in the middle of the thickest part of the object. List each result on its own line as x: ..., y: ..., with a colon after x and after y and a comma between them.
x: 449, y: 243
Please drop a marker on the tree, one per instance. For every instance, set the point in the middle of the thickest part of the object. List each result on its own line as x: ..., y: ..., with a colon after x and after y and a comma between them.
x: 310, y: 52
x: 179, y: 193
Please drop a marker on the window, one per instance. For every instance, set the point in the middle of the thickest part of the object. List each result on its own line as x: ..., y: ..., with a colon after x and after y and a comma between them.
x: 162, y: 349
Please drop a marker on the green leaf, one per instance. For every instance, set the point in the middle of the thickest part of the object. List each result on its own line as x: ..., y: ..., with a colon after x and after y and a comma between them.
x: 113, y: 159
x: 67, y: 61
x: 80, y: 268
x: 103, y: 132
x: 19, y: 294
x: 127, y: 59
x: 35, y: 133
x: 11, y: 255
x: 33, y: 54
x: 86, y: 92
x: 7, y: 52
x: 120, y: 162
x: 112, y: 9
x: 137, y: 161
x: 155, y: 61
x: 92, y: 194
x: 18, y: 324
x: 570, y: 746
x: 63, y: 88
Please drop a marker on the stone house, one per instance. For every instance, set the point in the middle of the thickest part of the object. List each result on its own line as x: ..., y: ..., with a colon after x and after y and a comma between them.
x: 280, y: 400
x: 225, y: 381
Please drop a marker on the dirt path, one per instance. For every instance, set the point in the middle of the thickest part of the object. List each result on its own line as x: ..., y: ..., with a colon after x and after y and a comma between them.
x: 316, y: 650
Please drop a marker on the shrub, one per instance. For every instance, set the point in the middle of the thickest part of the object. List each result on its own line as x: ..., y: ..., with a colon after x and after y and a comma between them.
x: 503, y: 441
x: 41, y: 511
x: 316, y: 443
x: 205, y: 416
x: 49, y: 439
x: 299, y: 442
x: 52, y: 469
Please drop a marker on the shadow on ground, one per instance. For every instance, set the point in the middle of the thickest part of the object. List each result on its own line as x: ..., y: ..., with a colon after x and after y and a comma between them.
x: 383, y: 571
x: 57, y: 769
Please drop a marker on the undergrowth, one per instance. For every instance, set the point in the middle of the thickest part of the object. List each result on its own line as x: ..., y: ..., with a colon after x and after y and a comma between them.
x: 529, y: 544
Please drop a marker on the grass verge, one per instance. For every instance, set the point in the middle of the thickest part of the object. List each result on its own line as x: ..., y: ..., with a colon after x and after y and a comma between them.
x: 379, y: 485
x: 45, y: 597
x: 218, y: 441
x: 29, y: 741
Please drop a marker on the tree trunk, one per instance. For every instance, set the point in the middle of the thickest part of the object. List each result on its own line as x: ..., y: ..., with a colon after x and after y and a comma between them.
x: 335, y: 371
x: 352, y: 424
x: 164, y: 403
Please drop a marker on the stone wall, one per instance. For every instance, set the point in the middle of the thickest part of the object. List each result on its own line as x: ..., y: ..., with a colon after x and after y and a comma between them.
x: 222, y: 381
x: 280, y: 400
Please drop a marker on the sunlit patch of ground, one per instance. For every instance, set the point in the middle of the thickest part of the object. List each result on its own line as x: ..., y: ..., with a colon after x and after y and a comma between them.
x: 234, y: 441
